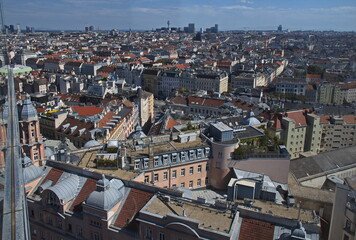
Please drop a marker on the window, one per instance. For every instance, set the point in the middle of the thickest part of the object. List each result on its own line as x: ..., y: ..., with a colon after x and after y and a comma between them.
x: 69, y: 227
x: 95, y: 236
x: 49, y: 220
x: 165, y: 159
x: 182, y: 172
x: 174, y: 157
x: 182, y: 156
x: 190, y: 184
x: 191, y: 170
x: 191, y: 154
x: 199, y: 168
x: 146, y: 163
x: 156, y: 161
x: 174, y: 173
x: 148, y: 233
x: 147, y: 179
x: 79, y: 232
x: 59, y: 223
x: 206, y: 181
x: 182, y: 184
x: 165, y: 176
x: 95, y: 223
x: 199, y: 183
x: 155, y: 177
x: 137, y: 164
x: 161, y: 236
x: 199, y: 153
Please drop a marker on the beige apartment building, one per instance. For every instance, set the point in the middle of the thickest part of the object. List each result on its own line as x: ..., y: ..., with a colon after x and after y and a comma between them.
x: 338, y: 132
x: 146, y: 103
x: 329, y: 94
x: 299, y: 130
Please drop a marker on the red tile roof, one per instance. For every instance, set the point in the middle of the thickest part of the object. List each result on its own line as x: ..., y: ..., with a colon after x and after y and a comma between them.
x: 179, y: 100
x: 89, y: 187
x: 256, y: 230
x: 350, y: 119
x: 135, y: 201
x: 127, y: 103
x: 277, y: 123
x: 53, y: 175
x: 40, y: 110
x: 298, y: 117
x: 325, y: 119
x: 318, y: 76
x: 87, y: 110
x: 205, y: 101
x: 106, y: 119
x: 171, y: 123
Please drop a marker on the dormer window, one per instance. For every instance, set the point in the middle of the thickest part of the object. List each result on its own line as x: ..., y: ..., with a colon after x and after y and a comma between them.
x: 156, y: 161
x: 183, y: 156
x: 199, y: 153
x: 65, y: 126
x: 52, y: 199
x: 72, y: 129
x: 137, y: 163
x: 146, y: 162
x: 81, y: 131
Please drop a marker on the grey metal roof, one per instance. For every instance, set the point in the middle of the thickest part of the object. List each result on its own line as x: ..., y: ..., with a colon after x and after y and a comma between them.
x: 247, y: 132
x: 323, y: 162
x: 137, y: 134
x: 250, y: 119
x: 27, y: 110
x: 91, y: 143
x: 107, y: 195
x: 30, y: 171
x: 67, y: 188
x: 48, y: 152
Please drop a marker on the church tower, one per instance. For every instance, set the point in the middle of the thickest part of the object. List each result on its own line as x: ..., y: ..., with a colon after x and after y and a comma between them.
x: 30, y: 137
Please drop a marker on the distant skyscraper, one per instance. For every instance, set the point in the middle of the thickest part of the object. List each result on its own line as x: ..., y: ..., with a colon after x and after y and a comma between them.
x: 91, y: 28
x: 18, y: 29
x: 214, y: 29
x: 279, y: 28
x: 190, y: 28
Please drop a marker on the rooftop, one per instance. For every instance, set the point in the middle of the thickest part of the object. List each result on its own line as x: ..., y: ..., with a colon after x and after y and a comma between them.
x: 208, y: 218
x: 273, y: 209
x: 164, y: 147
x: 323, y: 163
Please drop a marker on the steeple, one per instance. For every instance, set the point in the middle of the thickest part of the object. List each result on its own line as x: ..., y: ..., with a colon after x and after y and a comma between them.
x: 15, y: 218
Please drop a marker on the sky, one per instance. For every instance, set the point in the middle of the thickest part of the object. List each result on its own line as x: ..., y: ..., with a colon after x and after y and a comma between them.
x: 338, y: 15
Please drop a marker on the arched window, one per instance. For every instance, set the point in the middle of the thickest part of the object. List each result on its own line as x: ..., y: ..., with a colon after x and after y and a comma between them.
x: 52, y: 199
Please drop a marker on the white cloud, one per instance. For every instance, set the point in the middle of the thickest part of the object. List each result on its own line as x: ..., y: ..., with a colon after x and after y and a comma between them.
x: 246, y: 1
x: 237, y: 7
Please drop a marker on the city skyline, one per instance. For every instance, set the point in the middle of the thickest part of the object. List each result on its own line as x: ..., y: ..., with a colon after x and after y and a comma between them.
x: 149, y: 14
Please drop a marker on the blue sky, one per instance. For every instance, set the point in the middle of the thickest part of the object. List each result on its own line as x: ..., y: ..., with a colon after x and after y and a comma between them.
x: 337, y: 15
